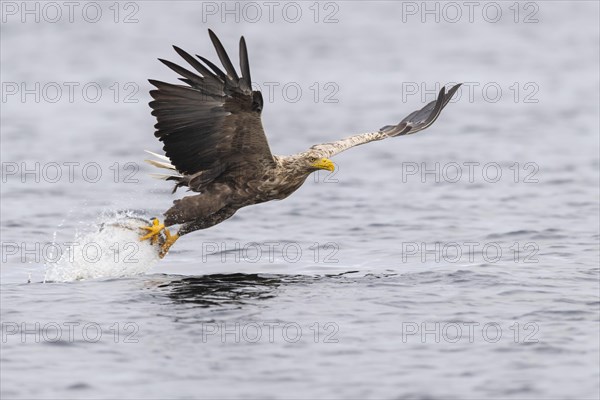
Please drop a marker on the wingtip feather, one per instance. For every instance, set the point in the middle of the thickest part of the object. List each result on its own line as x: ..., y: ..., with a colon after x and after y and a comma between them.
x: 231, y: 73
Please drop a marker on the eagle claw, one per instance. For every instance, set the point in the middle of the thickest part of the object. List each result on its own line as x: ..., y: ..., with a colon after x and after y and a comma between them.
x: 154, y: 234
x: 153, y: 231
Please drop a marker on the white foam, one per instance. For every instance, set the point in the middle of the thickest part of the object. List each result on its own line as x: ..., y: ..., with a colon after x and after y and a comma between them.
x: 111, y: 250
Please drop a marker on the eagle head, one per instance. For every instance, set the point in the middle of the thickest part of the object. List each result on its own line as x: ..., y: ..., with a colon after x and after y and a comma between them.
x: 313, y: 163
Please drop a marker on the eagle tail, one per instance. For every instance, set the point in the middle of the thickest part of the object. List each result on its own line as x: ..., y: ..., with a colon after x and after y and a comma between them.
x: 160, y: 164
x: 181, y: 181
x: 166, y: 177
x: 159, y: 156
x: 164, y: 163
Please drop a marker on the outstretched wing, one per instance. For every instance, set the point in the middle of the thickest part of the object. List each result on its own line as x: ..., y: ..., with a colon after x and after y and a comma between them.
x: 212, y: 124
x: 413, y: 123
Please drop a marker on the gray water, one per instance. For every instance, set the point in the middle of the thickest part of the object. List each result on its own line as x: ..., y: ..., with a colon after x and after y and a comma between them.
x: 394, y: 278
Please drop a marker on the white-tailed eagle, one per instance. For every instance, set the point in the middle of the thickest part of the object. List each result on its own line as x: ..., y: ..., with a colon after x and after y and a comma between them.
x: 215, y: 145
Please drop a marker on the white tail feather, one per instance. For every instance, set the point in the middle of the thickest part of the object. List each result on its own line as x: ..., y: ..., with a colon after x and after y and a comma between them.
x: 160, y: 164
x: 159, y: 156
x: 165, y: 163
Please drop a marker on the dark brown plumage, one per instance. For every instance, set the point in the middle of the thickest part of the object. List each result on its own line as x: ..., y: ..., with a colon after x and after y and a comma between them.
x: 213, y: 138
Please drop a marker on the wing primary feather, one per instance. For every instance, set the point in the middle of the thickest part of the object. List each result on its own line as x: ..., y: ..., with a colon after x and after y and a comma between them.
x: 223, y: 56
x: 198, y: 80
x: 423, y: 118
x: 437, y: 109
x: 194, y: 63
x: 450, y: 93
x: 246, y: 80
x: 212, y: 66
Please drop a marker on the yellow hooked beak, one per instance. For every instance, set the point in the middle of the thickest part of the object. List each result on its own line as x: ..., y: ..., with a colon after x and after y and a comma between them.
x: 324, y: 163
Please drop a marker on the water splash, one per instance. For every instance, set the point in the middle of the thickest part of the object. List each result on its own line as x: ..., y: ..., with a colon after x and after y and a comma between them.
x: 110, y: 249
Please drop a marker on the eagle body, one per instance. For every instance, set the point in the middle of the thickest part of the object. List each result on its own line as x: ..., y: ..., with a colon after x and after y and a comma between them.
x: 228, y: 193
x: 215, y: 145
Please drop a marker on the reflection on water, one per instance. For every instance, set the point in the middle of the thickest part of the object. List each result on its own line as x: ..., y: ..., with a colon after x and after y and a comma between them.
x: 220, y: 289
x: 234, y: 289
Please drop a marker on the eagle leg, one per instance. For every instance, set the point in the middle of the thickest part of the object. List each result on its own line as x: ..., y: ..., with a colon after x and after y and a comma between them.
x: 169, y: 240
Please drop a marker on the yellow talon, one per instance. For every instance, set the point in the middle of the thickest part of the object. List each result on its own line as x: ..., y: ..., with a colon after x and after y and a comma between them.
x: 153, y: 231
x: 169, y: 240
x: 154, y: 235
